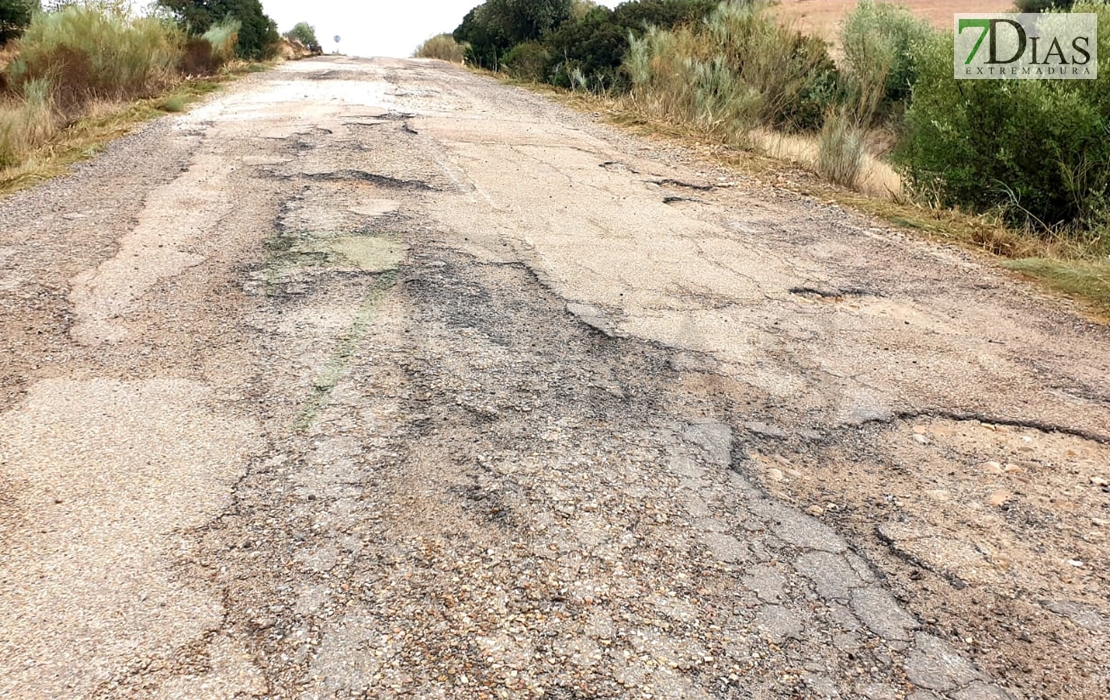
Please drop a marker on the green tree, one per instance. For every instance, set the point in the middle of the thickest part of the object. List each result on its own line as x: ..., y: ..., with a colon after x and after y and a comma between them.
x: 15, y: 15
x: 496, y: 26
x: 306, y: 34
x: 582, y: 39
x: 592, y: 46
x: 527, y: 20
x: 664, y: 14
x: 258, y: 35
x: 1042, y: 5
x: 486, y: 44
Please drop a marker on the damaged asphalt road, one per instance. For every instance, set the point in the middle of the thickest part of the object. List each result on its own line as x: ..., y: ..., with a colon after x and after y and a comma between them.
x: 374, y: 379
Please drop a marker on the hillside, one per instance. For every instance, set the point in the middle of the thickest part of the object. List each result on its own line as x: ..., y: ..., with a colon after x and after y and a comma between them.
x: 823, y: 16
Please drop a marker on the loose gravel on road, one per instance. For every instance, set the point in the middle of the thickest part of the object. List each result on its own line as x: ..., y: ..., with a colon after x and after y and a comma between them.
x: 378, y: 379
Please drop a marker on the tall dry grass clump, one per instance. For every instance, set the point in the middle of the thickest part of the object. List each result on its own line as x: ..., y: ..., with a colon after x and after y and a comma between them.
x: 678, y: 77
x: 444, y: 47
x: 737, y: 70
x: 93, y: 53
x: 223, y: 36
x: 73, y: 61
x: 207, y: 53
x: 26, y: 122
x: 840, y: 150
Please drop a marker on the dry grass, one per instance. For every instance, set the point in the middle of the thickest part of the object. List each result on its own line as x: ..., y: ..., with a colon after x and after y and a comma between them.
x: 90, y: 53
x: 7, y: 53
x: 104, y: 121
x: 876, y: 177
x: 1080, y: 279
x: 26, y: 122
x: 85, y: 73
x: 840, y: 151
x: 442, y: 47
x: 76, y: 64
x: 737, y: 70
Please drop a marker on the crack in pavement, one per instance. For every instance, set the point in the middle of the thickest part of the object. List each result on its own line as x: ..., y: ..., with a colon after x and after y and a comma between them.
x: 990, y: 419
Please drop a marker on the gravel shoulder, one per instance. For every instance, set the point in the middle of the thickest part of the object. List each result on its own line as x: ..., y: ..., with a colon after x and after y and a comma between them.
x: 380, y: 379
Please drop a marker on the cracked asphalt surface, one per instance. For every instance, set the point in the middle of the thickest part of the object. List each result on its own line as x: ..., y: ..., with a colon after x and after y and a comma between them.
x: 373, y: 379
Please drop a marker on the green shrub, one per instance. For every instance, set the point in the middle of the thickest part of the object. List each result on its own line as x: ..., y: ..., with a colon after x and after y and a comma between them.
x: 305, y: 33
x: 174, y: 103
x: 793, y: 73
x: 493, y: 28
x: 444, y: 47
x: 580, y: 8
x: 586, y: 43
x: 204, y: 55
x: 1039, y: 150
x: 1042, y: 5
x: 674, y: 78
x: 590, y: 50
x: 593, y: 46
x: 527, y: 61
x: 881, y: 43
x: 640, y: 15
x: 485, y: 43
x: 15, y: 15
x: 88, y: 54
x: 257, y: 37
x: 521, y: 21
x: 223, y: 37
x: 196, y: 57
x: 840, y: 150
x: 738, y: 69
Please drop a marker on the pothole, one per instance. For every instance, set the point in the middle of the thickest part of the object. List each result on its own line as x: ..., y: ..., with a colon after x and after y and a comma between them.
x: 290, y: 253
x: 384, y: 181
x: 670, y: 182
x: 381, y: 119
x: 619, y: 167
x: 839, y: 294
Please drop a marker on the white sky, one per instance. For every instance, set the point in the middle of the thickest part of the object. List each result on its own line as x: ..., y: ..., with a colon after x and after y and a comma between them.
x: 374, y: 27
